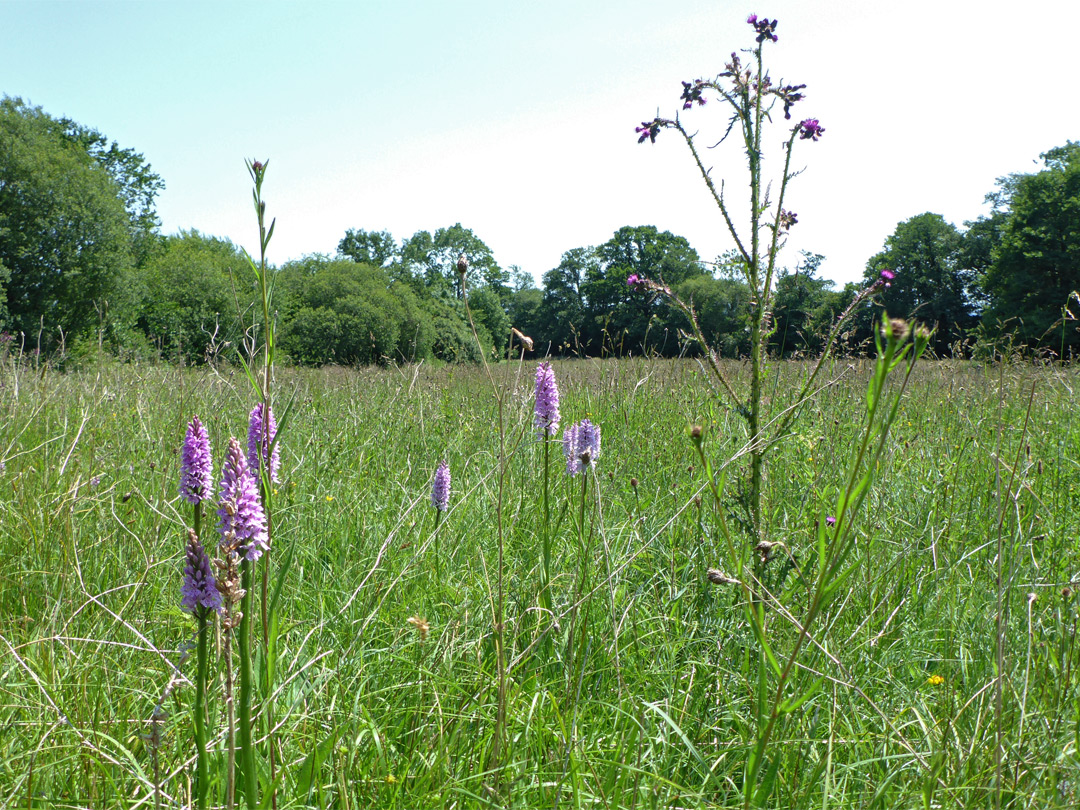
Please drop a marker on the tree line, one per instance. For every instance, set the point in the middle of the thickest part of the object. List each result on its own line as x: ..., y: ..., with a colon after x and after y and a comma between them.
x: 84, y: 266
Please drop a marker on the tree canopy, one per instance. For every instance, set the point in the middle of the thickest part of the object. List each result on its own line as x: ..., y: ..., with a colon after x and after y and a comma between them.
x: 65, y: 235
x: 1035, y: 264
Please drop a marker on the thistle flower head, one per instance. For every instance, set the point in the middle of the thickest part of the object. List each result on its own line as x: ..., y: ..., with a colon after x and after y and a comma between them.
x: 261, y: 433
x: 241, y: 511
x: 200, y: 588
x: 763, y: 26
x: 440, y: 488
x: 887, y: 277
x: 547, y: 401
x: 196, y: 473
x: 810, y: 129
x: 581, y: 446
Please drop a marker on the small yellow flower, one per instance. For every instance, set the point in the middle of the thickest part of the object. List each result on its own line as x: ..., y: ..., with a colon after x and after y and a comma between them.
x: 391, y: 779
x: 329, y: 498
x: 935, y: 680
x: 275, y: 490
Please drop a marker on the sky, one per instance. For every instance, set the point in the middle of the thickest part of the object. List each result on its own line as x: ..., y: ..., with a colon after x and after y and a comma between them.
x: 517, y: 119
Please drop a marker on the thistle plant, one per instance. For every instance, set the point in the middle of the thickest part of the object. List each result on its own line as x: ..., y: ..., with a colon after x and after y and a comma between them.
x: 782, y: 684
x: 749, y: 94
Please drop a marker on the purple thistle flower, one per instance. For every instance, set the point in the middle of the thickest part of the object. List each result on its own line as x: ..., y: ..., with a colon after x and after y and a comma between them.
x: 257, y: 441
x: 764, y: 27
x: 649, y: 130
x: 547, y: 401
x: 633, y: 279
x: 241, y: 511
x: 440, y: 489
x: 830, y: 521
x: 581, y: 445
x: 200, y: 588
x: 810, y: 129
x: 196, y: 468
x: 887, y: 277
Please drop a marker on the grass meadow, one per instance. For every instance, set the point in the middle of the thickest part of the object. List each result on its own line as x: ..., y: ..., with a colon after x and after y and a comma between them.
x: 967, y: 550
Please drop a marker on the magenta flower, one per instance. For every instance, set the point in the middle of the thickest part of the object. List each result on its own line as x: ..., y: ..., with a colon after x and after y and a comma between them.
x: 692, y: 92
x: 241, y: 511
x: 648, y: 129
x: 547, y: 401
x: 199, y: 589
x: 764, y: 27
x: 830, y: 521
x: 887, y: 277
x: 633, y: 279
x: 196, y: 469
x: 581, y: 445
x: 259, y: 444
x: 440, y: 489
x: 810, y: 129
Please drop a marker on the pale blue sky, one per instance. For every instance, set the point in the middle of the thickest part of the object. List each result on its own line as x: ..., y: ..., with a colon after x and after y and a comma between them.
x: 517, y: 119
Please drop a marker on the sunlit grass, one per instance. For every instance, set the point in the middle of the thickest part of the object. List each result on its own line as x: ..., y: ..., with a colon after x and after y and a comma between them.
x: 91, y: 631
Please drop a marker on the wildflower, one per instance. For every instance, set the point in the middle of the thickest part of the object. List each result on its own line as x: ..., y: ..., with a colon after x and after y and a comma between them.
x: 241, y: 511
x: 935, y: 680
x: 691, y: 93
x: 810, y: 129
x: 634, y: 280
x: 763, y: 26
x: 648, y: 129
x: 887, y: 277
x: 547, y: 401
x: 788, y: 219
x: 462, y: 265
x: 440, y: 489
x: 196, y: 473
x: 581, y: 445
x: 200, y: 588
x: 830, y: 521
x: 259, y: 443
x: 790, y: 95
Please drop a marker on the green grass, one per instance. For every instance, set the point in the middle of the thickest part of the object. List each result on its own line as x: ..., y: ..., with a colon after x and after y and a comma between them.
x: 660, y: 715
